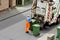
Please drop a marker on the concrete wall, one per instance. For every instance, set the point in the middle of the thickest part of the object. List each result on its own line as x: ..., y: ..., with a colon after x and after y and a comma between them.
x: 4, y: 4
x: 13, y: 3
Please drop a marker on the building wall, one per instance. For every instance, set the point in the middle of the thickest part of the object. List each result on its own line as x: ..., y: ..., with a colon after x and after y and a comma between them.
x: 13, y: 3
x: 4, y: 4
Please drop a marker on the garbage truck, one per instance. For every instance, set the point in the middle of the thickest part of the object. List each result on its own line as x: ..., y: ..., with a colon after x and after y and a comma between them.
x: 46, y: 15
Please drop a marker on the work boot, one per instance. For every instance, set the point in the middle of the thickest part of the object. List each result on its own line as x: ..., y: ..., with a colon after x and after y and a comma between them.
x: 27, y: 32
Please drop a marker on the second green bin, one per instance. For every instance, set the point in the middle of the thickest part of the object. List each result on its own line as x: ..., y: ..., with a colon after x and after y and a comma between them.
x: 36, y: 29
x: 58, y: 32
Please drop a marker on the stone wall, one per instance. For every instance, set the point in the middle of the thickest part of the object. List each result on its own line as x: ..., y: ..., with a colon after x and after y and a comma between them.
x: 4, y: 4
x: 13, y: 3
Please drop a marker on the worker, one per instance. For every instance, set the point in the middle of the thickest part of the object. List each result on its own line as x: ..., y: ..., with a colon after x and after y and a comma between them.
x: 28, y: 24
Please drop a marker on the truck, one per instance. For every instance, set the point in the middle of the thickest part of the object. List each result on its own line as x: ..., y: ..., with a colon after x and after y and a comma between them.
x: 47, y: 15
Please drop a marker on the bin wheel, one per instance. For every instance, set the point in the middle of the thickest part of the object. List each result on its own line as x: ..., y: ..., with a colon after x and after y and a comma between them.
x: 37, y: 35
x: 42, y: 27
x: 46, y: 25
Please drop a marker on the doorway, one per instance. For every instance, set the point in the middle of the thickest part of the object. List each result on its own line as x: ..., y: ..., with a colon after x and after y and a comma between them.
x: 18, y: 2
x: 10, y: 3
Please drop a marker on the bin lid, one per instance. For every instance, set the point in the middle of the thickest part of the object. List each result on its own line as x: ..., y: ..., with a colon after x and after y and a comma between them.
x: 58, y: 27
x: 36, y: 25
x: 33, y: 20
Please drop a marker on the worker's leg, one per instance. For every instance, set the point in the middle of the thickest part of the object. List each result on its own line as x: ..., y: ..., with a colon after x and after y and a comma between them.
x: 27, y: 26
x: 27, y: 30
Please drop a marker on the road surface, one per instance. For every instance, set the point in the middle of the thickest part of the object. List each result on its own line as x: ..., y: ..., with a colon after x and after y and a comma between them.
x: 14, y: 29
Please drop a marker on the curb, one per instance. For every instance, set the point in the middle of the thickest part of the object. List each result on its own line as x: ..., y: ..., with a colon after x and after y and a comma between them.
x: 14, y: 15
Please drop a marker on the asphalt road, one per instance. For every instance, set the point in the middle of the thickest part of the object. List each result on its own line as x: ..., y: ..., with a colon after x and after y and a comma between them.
x: 14, y: 28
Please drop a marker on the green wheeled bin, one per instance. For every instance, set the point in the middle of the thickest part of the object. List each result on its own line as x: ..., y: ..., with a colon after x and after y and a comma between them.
x: 36, y: 29
x: 33, y: 21
x: 58, y: 33
x: 58, y: 38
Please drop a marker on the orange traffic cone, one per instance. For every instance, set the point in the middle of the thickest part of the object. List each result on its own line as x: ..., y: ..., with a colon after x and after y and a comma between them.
x: 27, y: 27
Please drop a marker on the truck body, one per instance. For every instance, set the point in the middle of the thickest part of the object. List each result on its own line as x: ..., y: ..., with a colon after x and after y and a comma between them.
x: 47, y: 14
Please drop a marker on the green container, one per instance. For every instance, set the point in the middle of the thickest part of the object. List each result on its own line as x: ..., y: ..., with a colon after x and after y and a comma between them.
x: 58, y: 38
x: 33, y: 21
x: 58, y: 31
x: 36, y: 29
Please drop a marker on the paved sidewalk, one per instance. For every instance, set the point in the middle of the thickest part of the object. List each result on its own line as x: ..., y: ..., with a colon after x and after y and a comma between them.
x: 45, y: 37
x: 13, y: 12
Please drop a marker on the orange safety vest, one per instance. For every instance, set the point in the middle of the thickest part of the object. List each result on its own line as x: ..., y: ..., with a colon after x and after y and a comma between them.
x: 27, y: 26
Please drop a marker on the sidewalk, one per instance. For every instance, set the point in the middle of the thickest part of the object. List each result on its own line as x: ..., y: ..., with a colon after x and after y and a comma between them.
x: 52, y: 31
x: 13, y: 12
x: 45, y: 37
